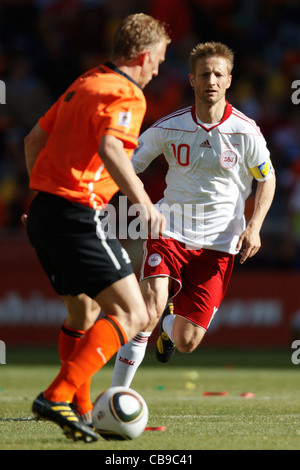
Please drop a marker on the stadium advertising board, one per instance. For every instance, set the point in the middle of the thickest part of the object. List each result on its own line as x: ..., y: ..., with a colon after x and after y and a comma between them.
x: 260, y: 308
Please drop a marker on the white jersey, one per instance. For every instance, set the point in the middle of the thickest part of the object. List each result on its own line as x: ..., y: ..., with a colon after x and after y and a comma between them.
x: 210, y: 174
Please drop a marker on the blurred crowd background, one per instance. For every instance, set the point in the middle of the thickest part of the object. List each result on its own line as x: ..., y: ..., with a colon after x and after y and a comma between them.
x: 46, y: 44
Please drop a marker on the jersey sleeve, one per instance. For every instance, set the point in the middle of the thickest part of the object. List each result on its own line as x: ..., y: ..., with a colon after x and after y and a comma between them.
x: 122, y: 117
x: 258, y: 159
x: 47, y: 121
x: 150, y: 146
x: 264, y: 171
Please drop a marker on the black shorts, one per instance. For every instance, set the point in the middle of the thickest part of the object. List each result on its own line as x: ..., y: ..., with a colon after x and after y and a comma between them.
x: 75, y: 252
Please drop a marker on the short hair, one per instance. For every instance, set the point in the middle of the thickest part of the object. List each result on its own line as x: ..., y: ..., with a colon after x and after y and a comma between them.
x: 209, y: 49
x: 136, y: 33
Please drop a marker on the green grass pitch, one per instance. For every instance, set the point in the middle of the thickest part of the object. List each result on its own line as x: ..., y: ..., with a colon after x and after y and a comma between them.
x: 268, y: 420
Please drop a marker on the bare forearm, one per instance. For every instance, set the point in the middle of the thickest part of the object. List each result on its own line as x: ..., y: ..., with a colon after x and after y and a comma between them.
x: 250, y: 238
x: 121, y: 170
x: 263, y: 200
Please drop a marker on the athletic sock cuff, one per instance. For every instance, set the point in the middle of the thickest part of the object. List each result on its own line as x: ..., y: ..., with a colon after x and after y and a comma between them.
x: 72, y: 332
x: 141, y: 338
x: 118, y: 328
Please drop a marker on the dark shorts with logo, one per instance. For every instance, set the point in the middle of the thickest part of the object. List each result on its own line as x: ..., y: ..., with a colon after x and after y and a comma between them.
x: 73, y: 248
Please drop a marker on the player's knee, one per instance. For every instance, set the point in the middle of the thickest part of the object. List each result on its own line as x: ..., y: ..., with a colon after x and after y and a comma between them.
x: 154, y: 310
x: 146, y: 318
x: 187, y: 344
x: 155, y: 294
x: 154, y: 316
x: 140, y: 318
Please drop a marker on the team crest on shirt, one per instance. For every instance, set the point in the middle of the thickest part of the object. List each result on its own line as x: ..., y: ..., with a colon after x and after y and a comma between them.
x: 154, y: 260
x: 228, y: 159
x: 124, y: 119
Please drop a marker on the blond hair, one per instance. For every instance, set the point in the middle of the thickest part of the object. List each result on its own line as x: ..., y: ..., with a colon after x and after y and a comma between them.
x: 136, y: 33
x: 209, y: 49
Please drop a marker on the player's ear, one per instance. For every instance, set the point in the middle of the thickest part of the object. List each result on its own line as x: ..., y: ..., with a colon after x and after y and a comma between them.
x: 229, y: 81
x: 192, y: 80
x: 144, y: 57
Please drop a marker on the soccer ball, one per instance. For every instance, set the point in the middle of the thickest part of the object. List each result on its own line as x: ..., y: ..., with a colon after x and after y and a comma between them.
x: 120, y: 413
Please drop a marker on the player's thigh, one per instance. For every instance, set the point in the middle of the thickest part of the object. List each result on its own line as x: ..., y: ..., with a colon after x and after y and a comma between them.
x: 124, y: 300
x: 205, y: 282
x: 187, y: 336
x: 155, y: 291
x: 73, y: 247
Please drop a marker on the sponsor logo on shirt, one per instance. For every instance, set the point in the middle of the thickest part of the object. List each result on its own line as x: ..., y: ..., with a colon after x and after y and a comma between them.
x: 206, y: 144
x: 228, y: 159
x: 124, y: 119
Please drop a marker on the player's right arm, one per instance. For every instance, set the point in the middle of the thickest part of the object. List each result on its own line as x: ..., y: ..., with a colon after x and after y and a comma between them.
x: 37, y: 138
x: 33, y: 144
x: 120, y: 168
x: 150, y: 146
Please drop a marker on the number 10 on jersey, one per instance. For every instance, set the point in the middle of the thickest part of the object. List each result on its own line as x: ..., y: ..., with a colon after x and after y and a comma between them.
x: 182, y: 154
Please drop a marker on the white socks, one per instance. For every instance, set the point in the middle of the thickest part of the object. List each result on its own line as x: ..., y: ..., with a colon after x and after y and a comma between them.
x: 130, y: 356
x: 168, y: 326
x: 128, y: 359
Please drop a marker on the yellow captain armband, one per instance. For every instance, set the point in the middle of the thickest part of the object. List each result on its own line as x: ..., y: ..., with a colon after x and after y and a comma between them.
x: 263, y: 171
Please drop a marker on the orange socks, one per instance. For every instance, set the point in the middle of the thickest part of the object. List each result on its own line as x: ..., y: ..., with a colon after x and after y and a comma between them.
x: 92, y: 352
x: 68, y: 341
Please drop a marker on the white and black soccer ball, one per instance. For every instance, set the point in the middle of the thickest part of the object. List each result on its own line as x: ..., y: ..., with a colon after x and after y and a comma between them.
x: 120, y: 413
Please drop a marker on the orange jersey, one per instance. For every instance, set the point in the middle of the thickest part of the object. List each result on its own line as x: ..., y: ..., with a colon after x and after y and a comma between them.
x: 100, y: 102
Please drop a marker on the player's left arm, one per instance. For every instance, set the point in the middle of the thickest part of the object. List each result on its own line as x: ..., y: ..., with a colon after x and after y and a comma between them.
x: 249, y: 241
